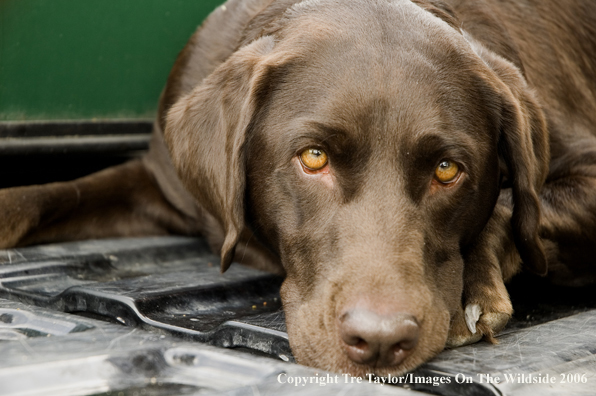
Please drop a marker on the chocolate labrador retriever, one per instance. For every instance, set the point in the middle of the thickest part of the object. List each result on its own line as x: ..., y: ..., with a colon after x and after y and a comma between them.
x: 397, y: 160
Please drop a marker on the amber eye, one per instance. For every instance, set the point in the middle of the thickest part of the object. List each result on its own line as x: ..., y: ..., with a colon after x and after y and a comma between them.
x: 313, y: 159
x: 447, y: 171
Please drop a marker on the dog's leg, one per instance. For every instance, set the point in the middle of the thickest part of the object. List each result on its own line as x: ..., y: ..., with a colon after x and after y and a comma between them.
x: 567, y: 231
x: 120, y: 201
x: 486, y: 307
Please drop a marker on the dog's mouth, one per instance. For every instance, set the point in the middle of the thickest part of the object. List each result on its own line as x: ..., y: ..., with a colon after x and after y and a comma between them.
x: 366, y: 337
x: 378, y: 353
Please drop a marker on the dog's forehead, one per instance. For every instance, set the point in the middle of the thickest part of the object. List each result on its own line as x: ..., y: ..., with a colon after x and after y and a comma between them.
x: 362, y: 24
x: 385, y: 65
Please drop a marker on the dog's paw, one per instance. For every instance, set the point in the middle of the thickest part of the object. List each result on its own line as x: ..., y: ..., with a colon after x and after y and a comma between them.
x: 474, y: 323
x: 460, y: 333
x: 488, y: 324
x: 472, y: 315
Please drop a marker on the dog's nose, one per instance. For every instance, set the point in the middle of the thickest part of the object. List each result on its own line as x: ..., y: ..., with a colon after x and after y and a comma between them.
x: 377, y: 339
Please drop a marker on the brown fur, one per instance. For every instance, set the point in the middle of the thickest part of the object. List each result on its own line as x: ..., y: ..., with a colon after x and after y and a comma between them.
x: 387, y: 88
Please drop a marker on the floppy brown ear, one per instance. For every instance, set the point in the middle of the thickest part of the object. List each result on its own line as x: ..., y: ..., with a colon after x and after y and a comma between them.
x: 524, y: 148
x: 206, y: 132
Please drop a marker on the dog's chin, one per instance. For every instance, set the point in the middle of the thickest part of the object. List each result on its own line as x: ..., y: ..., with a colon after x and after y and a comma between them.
x: 322, y: 349
x: 343, y: 365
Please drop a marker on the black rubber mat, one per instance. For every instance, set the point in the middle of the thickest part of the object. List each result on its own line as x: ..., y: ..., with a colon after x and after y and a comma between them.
x: 172, y: 287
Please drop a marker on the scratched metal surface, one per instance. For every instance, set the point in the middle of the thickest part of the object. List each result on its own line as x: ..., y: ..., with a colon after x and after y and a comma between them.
x: 171, y: 287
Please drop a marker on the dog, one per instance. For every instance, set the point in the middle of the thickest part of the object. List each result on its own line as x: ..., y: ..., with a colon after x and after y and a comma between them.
x: 397, y: 160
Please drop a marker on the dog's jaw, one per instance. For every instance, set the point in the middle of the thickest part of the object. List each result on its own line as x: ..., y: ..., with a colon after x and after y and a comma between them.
x: 306, y: 323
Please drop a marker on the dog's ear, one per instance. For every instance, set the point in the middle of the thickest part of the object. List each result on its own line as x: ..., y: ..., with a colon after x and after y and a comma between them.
x: 524, y: 151
x: 523, y: 147
x: 206, y: 133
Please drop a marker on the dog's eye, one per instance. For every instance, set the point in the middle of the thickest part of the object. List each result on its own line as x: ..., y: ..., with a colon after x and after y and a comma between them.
x: 447, y: 171
x: 313, y: 159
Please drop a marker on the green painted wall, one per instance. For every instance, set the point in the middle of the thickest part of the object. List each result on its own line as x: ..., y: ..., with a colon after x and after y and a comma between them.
x: 87, y: 59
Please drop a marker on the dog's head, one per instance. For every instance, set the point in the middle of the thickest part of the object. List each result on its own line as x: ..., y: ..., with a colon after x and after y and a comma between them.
x: 365, y: 143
